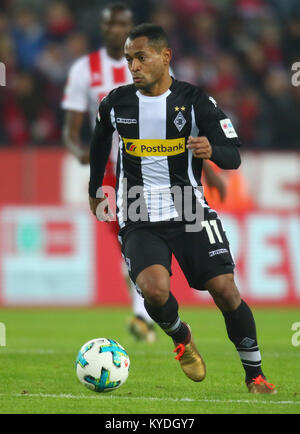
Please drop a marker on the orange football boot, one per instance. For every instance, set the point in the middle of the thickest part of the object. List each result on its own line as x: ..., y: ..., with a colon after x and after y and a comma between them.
x: 261, y: 386
x: 190, y: 360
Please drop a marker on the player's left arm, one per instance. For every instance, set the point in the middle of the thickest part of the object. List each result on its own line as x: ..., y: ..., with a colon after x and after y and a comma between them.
x: 218, y: 140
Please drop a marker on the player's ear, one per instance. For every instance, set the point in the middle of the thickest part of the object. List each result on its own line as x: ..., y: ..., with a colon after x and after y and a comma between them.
x: 167, y: 55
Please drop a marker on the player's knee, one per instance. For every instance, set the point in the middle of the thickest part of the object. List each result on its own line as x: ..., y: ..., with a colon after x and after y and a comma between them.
x: 156, y: 293
x: 154, y: 284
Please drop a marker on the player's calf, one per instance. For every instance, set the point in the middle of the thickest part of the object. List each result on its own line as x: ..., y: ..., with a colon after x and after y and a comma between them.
x: 241, y: 330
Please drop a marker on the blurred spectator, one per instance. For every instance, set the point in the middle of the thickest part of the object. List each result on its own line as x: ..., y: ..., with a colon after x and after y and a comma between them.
x: 251, y: 9
x: 203, y: 31
x: 291, y: 40
x: 59, y: 21
x: 271, y: 44
x: 25, y: 119
x: 77, y: 45
x: 52, y: 63
x: 281, y: 112
x: 29, y: 38
x: 227, y: 75
x: 249, y: 114
x: 193, y: 70
x: 255, y: 65
x: 166, y: 18
x: 240, y: 51
x: 188, y: 8
x: 56, y: 59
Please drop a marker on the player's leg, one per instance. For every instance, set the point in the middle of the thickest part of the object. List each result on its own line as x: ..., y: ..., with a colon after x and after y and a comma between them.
x: 162, y: 306
x: 207, y: 262
x: 205, y: 258
x: 148, y: 258
x: 241, y: 329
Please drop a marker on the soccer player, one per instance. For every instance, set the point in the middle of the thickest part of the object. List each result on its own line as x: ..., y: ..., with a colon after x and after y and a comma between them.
x: 167, y: 128
x: 90, y: 79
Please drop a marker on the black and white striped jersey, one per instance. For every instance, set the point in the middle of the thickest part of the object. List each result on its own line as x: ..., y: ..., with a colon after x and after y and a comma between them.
x: 153, y: 158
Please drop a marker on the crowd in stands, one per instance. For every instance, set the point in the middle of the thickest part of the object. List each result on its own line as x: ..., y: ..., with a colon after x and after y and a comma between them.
x: 240, y: 51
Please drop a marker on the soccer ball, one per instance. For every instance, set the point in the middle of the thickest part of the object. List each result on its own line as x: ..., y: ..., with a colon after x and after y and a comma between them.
x: 102, y: 365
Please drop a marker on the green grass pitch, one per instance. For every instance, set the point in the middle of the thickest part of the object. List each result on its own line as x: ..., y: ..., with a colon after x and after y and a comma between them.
x: 37, y: 369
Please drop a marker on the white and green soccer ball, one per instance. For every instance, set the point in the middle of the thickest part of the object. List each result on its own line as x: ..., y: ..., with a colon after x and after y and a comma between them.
x: 102, y: 365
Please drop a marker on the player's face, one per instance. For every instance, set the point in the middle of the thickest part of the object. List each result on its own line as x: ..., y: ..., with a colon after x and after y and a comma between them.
x: 147, y: 64
x: 115, y: 27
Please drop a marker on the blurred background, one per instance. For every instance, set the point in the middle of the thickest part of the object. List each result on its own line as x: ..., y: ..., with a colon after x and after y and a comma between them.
x: 242, y: 52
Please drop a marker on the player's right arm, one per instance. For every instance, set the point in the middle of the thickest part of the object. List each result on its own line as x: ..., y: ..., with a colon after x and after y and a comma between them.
x: 99, y: 155
x: 72, y: 135
x: 75, y: 103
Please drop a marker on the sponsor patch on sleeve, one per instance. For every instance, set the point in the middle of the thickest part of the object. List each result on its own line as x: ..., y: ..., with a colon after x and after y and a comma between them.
x: 228, y: 128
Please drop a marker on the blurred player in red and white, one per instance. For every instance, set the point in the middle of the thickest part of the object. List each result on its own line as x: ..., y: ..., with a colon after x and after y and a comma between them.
x: 90, y: 79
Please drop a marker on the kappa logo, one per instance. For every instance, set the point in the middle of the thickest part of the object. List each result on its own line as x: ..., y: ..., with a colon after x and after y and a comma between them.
x: 130, y: 146
x: 126, y: 121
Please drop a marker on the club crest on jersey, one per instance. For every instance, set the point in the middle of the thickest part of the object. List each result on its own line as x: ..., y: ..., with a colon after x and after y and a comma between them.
x: 154, y: 147
x: 180, y: 120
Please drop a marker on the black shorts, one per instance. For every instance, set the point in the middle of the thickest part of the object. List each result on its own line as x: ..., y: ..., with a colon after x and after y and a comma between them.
x: 201, y: 255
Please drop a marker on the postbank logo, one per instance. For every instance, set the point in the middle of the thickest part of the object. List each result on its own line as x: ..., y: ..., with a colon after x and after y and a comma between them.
x: 154, y: 147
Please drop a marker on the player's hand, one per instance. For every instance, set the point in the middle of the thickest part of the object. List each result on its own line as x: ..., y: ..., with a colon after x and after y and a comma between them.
x: 84, y: 157
x: 101, y: 209
x: 200, y: 146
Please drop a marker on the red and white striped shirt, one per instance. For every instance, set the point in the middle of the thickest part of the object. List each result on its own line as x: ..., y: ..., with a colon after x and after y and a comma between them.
x: 90, y: 79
